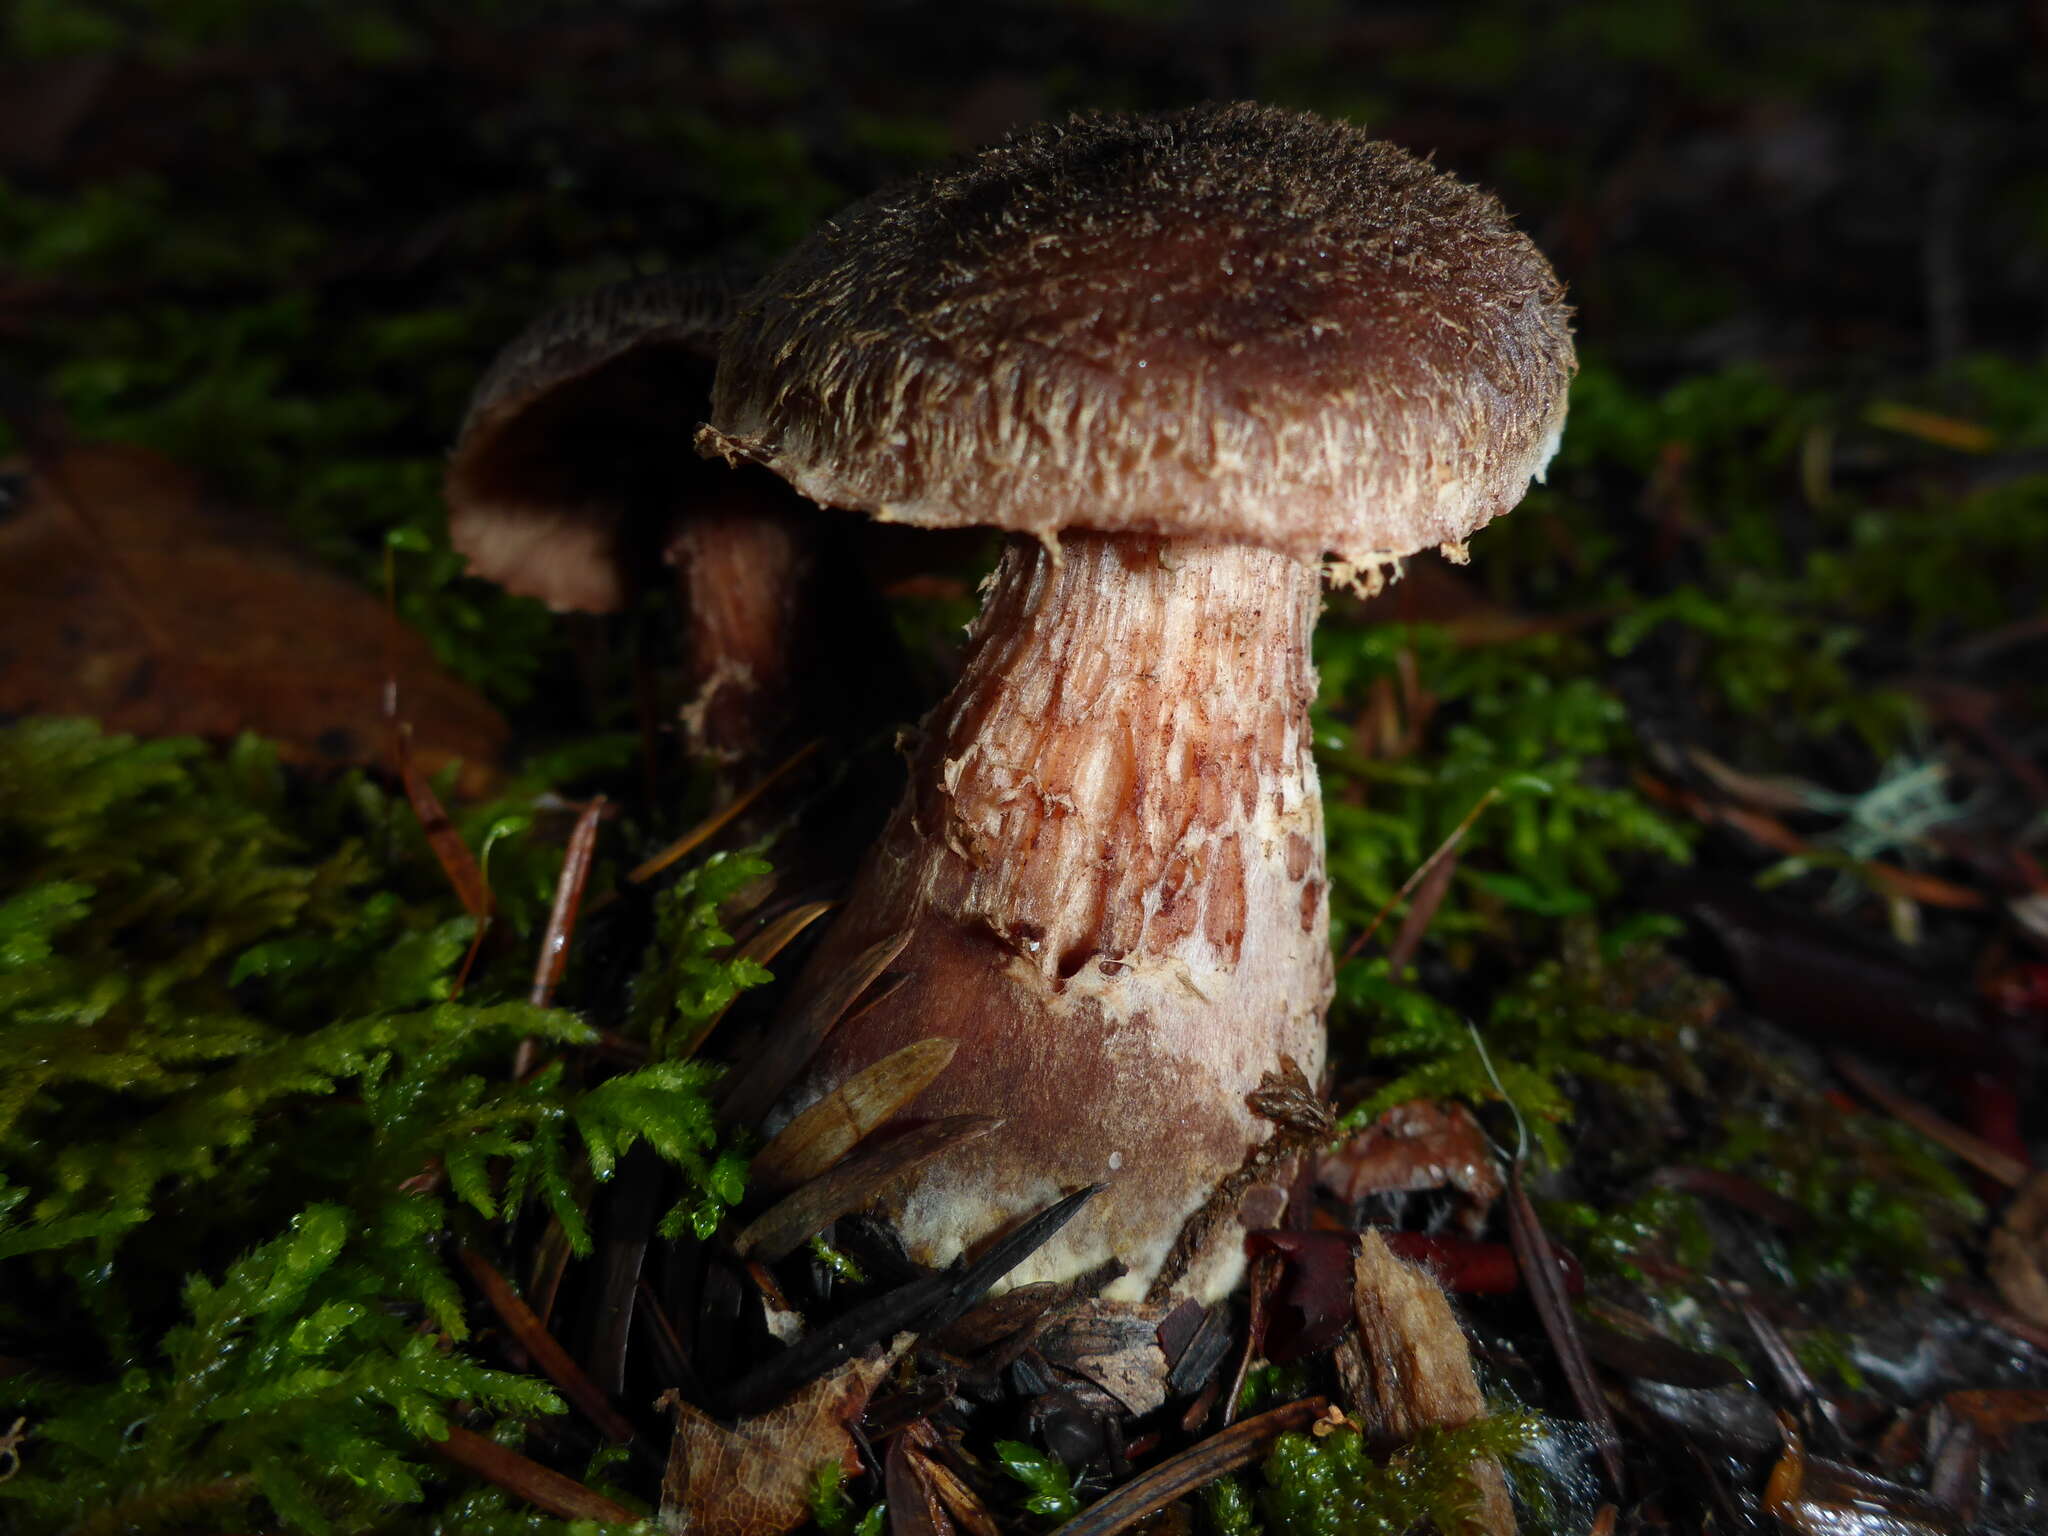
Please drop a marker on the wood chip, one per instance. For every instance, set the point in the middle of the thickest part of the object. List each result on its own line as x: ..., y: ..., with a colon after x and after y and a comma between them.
x: 1002, y: 1317
x: 784, y: 1227
x: 819, y: 1137
x: 1410, y: 1368
x: 1113, y: 1344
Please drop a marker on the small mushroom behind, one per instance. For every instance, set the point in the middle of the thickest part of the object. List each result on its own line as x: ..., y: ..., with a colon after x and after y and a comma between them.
x: 1182, y: 358
x: 574, y: 482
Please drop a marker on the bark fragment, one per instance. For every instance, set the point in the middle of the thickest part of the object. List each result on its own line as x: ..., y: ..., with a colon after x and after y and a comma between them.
x: 1409, y: 1366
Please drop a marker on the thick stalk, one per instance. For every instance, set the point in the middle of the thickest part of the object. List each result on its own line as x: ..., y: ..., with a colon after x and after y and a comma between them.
x: 1110, y: 862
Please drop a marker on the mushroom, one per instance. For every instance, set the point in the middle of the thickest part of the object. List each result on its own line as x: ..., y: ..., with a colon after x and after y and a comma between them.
x: 573, y: 479
x: 1183, y: 358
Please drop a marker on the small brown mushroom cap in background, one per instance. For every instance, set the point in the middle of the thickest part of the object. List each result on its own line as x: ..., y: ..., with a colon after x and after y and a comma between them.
x: 574, y: 429
x: 1232, y: 323
x: 1186, y: 357
x: 574, y: 481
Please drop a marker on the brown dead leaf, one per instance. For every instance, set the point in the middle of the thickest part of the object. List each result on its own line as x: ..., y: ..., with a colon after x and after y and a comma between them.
x: 1410, y: 1368
x: 754, y: 1478
x: 1114, y: 1344
x: 1418, y: 1145
x: 915, y: 1508
x: 131, y: 599
x: 926, y: 1496
x: 2018, y: 1251
x: 1814, y: 1497
x: 1995, y: 1412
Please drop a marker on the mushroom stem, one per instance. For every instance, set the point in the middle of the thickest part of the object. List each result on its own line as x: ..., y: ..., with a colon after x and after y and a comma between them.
x: 745, y: 570
x: 1110, y: 862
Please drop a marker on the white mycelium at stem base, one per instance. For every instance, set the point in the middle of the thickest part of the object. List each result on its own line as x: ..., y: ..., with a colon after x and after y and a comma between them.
x: 1110, y: 862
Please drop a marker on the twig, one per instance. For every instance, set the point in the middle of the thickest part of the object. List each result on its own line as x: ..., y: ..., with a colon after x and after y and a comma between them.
x: 1199, y: 1465
x: 1443, y: 851
x: 1534, y: 1256
x: 554, y: 945
x: 1971, y: 1148
x: 522, y: 1476
x: 545, y: 1348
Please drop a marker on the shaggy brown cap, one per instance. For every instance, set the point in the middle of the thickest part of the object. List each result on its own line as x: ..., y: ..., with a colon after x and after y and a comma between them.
x: 1230, y: 323
x: 580, y: 419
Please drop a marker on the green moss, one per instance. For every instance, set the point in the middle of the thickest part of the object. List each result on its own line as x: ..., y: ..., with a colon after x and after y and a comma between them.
x: 1228, y: 1507
x: 687, y: 979
x: 1613, y: 1239
x: 1882, y: 1201
x: 242, y: 1109
x: 841, y: 1263
x: 1520, y: 724
x: 1829, y: 1355
x: 1562, y: 1024
x: 832, y: 1508
x: 1049, y: 1491
x: 1330, y: 1485
x: 1267, y: 1385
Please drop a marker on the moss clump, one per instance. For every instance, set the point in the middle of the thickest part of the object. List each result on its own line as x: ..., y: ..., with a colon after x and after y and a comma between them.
x: 1612, y: 1239
x: 245, y: 1111
x: 1521, y: 722
x: 1562, y: 1022
x: 1331, y: 1485
x: 832, y: 1507
x: 1048, y: 1488
x: 1882, y: 1201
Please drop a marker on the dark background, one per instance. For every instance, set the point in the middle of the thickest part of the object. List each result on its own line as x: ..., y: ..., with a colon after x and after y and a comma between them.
x: 279, y: 242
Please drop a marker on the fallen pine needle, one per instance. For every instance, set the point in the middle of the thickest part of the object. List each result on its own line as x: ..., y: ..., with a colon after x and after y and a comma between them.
x: 1239, y: 1446
x: 543, y: 1488
x: 1443, y: 851
x: 715, y: 823
x: 1971, y: 1148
